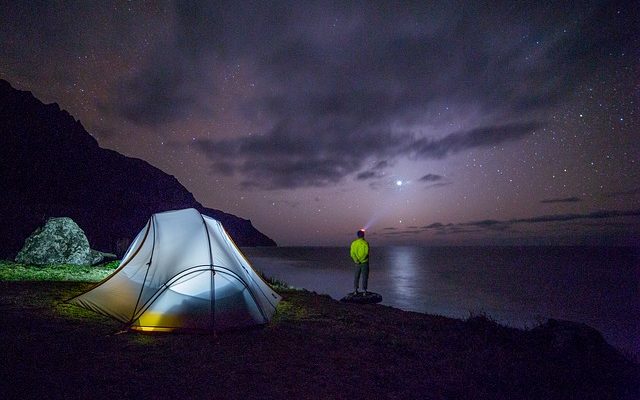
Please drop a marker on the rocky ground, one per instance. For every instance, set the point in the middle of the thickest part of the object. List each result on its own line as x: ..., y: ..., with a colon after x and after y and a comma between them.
x: 315, y: 348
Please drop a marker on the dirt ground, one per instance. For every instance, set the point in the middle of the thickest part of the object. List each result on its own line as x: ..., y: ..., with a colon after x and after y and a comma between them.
x: 315, y: 348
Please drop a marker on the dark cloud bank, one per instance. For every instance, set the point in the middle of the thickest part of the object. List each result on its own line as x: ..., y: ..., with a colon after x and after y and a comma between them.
x: 282, y: 159
x: 348, y: 84
x: 506, y: 225
x: 563, y: 200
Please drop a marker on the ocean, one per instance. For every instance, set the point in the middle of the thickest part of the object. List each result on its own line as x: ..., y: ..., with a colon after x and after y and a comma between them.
x: 516, y: 286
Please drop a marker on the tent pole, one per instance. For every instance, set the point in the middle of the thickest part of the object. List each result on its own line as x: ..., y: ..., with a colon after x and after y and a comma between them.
x: 212, y: 296
x: 153, y: 247
x: 213, y: 300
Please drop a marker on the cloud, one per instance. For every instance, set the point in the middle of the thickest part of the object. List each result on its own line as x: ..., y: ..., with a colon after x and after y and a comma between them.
x: 562, y: 200
x: 402, y: 232
x: 369, y: 175
x: 283, y: 158
x: 376, y: 172
x: 570, y: 217
x: 392, y: 63
x: 167, y: 87
x: 172, y: 82
x: 454, y: 230
x: 378, y: 96
x: 489, y: 224
x: 154, y: 97
x: 439, y: 184
x: 474, y: 138
x: 439, y: 228
x: 504, y: 225
x: 434, y: 181
x: 430, y: 178
x: 381, y: 165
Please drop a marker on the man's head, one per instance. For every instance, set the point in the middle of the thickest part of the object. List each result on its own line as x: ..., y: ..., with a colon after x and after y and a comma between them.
x: 360, y: 233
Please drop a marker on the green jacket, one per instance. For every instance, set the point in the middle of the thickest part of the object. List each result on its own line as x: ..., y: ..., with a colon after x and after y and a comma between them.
x: 360, y: 251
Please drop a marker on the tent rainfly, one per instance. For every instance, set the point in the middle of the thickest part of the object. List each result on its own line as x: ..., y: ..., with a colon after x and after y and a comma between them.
x: 183, y: 272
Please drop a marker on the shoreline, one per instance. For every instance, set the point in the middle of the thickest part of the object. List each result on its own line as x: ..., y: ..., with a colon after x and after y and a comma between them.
x: 519, y: 287
x: 315, y: 347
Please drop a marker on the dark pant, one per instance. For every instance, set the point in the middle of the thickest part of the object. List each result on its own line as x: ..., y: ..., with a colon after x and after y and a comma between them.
x: 364, y: 270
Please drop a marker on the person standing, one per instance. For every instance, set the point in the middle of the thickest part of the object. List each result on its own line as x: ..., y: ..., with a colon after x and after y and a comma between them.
x: 360, y: 255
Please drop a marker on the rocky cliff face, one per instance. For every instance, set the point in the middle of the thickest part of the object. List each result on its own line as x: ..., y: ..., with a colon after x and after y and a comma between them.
x: 51, y: 167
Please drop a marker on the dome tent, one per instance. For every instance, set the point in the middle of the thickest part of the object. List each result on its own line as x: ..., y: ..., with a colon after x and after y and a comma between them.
x: 183, y: 272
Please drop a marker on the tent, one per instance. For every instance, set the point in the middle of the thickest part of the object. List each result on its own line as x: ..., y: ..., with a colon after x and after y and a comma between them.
x: 183, y: 272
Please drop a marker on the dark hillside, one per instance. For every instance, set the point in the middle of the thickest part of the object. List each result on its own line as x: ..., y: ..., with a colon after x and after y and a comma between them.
x: 52, y: 167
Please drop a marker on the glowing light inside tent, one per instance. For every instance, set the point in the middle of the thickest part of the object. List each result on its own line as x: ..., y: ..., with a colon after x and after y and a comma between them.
x: 157, y: 322
x: 399, y: 183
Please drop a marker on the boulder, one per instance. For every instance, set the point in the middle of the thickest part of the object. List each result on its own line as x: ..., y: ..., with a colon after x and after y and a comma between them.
x: 361, y: 298
x: 59, y: 241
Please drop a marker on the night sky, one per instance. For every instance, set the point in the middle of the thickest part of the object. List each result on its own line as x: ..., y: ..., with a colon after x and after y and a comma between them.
x: 444, y: 123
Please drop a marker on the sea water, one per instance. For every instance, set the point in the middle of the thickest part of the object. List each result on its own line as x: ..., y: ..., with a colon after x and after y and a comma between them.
x: 516, y: 286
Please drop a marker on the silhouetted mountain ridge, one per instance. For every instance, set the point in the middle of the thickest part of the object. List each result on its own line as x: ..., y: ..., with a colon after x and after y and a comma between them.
x: 52, y: 167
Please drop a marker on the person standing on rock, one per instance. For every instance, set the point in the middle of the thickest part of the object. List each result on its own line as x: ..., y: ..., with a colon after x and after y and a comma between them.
x: 360, y: 256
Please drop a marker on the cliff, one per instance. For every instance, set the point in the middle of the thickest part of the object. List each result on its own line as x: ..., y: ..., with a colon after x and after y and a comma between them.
x: 51, y: 167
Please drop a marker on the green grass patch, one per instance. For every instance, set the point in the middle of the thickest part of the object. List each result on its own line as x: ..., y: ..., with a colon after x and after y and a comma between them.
x: 288, y: 311
x: 10, y: 271
x: 275, y: 283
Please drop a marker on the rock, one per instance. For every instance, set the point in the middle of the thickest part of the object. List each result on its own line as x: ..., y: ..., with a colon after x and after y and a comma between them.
x: 98, y: 256
x: 59, y: 241
x: 95, y: 256
x: 361, y: 298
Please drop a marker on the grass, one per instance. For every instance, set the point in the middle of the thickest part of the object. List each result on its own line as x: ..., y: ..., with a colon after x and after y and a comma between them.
x: 275, y: 283
x: 11, y: 271
x: 314, y: 347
